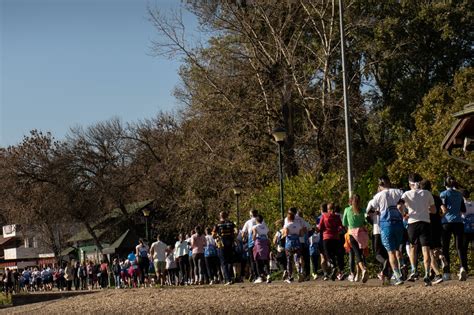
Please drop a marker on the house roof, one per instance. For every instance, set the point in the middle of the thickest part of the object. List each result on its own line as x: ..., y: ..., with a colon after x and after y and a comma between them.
x: 111, y: 249
x: 4, y: 240
x: 461, y: 129
x: 106, y: 222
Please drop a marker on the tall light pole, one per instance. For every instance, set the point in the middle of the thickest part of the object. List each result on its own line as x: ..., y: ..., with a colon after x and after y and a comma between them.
x: 346, y: 103
x: 279, y: 134
x: 146, y: 214
x: 237, y: 192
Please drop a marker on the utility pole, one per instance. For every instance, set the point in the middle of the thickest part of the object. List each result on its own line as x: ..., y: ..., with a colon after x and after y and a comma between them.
x: 346, y: 103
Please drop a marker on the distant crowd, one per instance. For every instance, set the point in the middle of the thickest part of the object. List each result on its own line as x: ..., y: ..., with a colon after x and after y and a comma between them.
x: 406, y: 225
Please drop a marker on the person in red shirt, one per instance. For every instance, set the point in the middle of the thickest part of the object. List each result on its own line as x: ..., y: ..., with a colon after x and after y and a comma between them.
x: 330, y: 227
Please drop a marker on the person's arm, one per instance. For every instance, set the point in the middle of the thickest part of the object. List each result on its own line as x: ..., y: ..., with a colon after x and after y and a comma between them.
x: 245, y: 232
x: 345, y: 221
x: 254, y: 233
x: 275, y: 238
x: 152, y: 250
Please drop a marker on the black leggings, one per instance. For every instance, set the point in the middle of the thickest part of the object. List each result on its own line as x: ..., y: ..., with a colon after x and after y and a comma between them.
x: 263, y: 267
x: 335, y: 253
x: 144, y: 264
x: 381, y: 254
x: 358, y: 254
x: 212, y: 265
x: 456, y: 229
x: 200, y: 267
x: 183, y: 262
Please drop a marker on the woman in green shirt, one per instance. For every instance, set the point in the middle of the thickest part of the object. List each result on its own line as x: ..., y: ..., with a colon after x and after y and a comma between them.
x: 354, y: 220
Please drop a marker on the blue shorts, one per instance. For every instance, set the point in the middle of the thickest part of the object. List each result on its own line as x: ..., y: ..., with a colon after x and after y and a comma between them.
x: 392, y: 236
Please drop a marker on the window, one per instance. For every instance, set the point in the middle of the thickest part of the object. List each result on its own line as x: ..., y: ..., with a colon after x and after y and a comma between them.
x: 35, y: 242
x: 27, y: 242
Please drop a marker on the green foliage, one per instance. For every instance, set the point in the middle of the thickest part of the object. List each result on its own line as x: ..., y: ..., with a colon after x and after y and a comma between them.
x: 306, y: 192
x: 421, y: 150
x: 366, y: 185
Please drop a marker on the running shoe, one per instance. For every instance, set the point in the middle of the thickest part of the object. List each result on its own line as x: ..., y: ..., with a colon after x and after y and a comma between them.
x: 351, y: 277
x: 398, y: 281
x: 258, y: 280
x: 438, y: 279
x: 412, y: 277
x: 269, y: 280
x: 427, y: 281
x: 315, y: 276
x: 446, y: 276
x: 325, y: 278
x: 288, y: 280
x: 228, y: 283
x: 380, y: 275
x: 340, y: 276
x: 365, y: 276
x: 462, y: 274
x: 404, y: 271
x: 357, y: 278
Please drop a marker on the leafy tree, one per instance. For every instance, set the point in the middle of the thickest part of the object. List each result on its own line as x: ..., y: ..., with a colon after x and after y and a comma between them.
x: 420, y: 151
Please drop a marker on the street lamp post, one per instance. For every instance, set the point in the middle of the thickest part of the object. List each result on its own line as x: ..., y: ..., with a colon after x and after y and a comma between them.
x: 279, y: 134
x: 237, y: 192
x: 146, y: 214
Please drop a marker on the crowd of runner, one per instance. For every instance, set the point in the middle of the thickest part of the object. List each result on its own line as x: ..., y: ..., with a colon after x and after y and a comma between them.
x: 405, y: 226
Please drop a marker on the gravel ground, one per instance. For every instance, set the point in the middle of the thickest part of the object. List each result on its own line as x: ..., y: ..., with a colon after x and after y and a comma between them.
x: 309, y: 297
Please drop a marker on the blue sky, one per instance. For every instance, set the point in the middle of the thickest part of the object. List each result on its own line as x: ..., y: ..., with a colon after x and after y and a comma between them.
x: 65, y: 63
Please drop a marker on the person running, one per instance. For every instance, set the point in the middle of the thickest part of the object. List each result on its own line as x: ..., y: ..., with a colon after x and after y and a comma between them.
x: 391, y: 223
x: 452, y: 207
x: 141, y: 251
x: 436, y: 230
x: 279, y: 243
x: 292, y: 231
x: 322, y: 255
x: 420, y: 204
x: 314, y: 238
x: 381, y: 255
x: 261, y: 250
x: 224, y: 233
x: 211, y: 258
x: 248, y: 239
x: 353, y: 220
x: 198, y: 242
x: 330, y: 227
x: 158, y: 253
x: 181, y: 255
x: 468, y: 218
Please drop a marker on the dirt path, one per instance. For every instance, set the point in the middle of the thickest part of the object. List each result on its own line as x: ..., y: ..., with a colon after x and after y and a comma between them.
x: 310, y: 297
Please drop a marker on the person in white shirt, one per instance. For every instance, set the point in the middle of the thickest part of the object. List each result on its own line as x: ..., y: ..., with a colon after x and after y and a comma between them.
x: 247, y: 237
x: 391, y: 223
x: 158, y: 252
x: 420, y: 204
x: 181, y: 254
x: 261, y: 250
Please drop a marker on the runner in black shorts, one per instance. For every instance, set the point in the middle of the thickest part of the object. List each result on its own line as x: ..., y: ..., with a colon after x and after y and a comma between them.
x: 436, y: 230
x: 420, y: 204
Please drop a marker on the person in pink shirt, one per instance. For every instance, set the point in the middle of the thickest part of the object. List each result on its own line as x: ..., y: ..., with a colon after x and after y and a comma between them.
x: 198, y: 242
x: 330, y: 228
